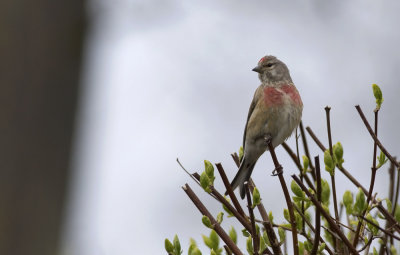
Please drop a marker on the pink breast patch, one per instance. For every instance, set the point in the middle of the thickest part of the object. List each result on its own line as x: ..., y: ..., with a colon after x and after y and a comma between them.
x: 293, y: 93
x: 272, y: 96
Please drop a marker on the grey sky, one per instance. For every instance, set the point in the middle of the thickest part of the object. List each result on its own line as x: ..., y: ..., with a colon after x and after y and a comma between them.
x: 168, y: 79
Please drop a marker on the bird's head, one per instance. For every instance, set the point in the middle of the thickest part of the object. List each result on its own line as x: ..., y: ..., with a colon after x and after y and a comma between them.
x: 271, y: 69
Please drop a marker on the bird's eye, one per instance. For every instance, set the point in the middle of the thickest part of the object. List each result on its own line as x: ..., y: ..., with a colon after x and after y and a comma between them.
x: 269, y: 65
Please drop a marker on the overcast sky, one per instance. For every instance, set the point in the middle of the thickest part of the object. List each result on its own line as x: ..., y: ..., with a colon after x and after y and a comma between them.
x: 165, y: 78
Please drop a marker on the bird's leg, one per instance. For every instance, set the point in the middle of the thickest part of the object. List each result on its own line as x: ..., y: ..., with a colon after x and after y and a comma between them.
x: 278, y: 169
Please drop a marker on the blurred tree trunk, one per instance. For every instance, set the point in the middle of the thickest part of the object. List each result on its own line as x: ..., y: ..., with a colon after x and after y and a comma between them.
x: 40, y: 57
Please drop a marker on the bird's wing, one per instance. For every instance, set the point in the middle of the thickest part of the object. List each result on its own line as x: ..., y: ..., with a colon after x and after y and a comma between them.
x: 253, y: 104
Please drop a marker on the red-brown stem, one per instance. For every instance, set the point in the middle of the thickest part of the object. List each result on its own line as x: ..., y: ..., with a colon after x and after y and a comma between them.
x: 371, y: 185
x: 229, y: 189
x: 390, y: 157
x: 301, y: 178
x: 328, y: 124
x: 254, y: 234
x: 397, y: 192
x: 218, y: 229
x: 267, y: 224
x: 331, y: 222
x: 306, y: 150
x: 279, y: 169
x: 317, y: 211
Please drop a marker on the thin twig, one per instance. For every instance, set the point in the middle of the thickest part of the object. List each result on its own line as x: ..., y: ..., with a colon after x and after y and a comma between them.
x: 392, y: 174
x: 317, y: 211
x: 380, y: 228
x: 236, y: 159
x: 229, y: 189
x: 228, y: 252
x: 396, y: 198
x: 267, y: 224
x: 391, y: 198
x: 254, y: 234
x: 383, y: 149
x: 372, y: 182
x: 306, y: 150
x: 267, y: 251
x: 218, y: 229
x: 279, y: 170
x: 184, y: 169
x: 367, y: 244
x: 328, y: 124
x: 331, y: 222
x: 301, y: 177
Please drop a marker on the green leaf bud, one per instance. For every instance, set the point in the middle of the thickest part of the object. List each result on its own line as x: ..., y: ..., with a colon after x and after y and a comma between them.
x: 240, y: 153
x: 326, y: 192
x: 348, y: 201
x: 397, y: 213
x: 263, y: 245
x: 249, y: 246
x: 372, y: 227
x: 381, y: 160
x: 360, y: 204
x: 266, y: 239
x: 230, y: 214
x: 329, y: 163
x: 214, y: 239
x: 209, y: 169
x: 393, y: 250
x: 378, y: 95
x: 233, y: 235
x: 271, y: 217
x: 220, y: 217
x: 195, y: 251
x: 321, y: 248
x: 282, y: 235
x: 256, y: 197
x: 338, y: 152
x: 169, y: 247
x: 207, y: 222
x: 245, y: 233
x: 306, y: 162
x: 286, y: 214
x: 205, y: 182
x: 296, y: 189
x: 177, y: 246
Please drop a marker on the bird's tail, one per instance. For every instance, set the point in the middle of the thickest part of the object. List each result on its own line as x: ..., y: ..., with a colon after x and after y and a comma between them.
x: 243, y: 175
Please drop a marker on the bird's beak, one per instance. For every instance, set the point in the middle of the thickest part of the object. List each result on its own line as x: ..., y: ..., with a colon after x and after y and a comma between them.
x: 257, y: 69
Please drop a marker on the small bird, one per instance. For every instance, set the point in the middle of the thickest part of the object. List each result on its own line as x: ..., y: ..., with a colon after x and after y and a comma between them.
x: 274, y: 113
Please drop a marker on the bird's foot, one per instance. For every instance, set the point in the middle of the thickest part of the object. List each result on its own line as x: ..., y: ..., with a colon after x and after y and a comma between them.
x: 267, y: 139
x: 277, y: 171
